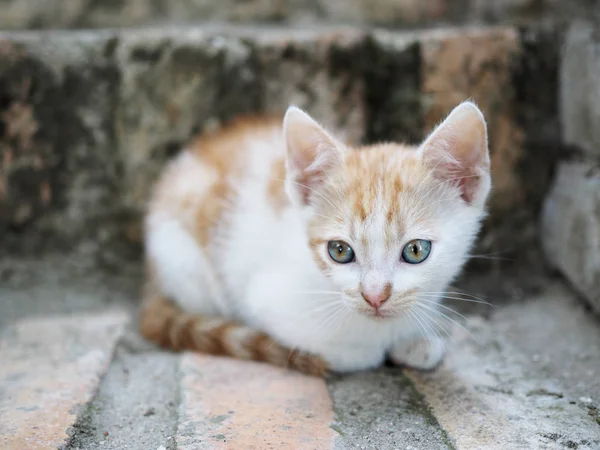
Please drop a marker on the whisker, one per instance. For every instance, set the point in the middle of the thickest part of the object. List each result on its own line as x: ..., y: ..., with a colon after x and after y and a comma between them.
x: 419, y: 320
x: 461, y: 299
x: 457, y: 296
x: 443, y: 306
x: 322, y: 309
x: 443, y: 326
x: 431, y: 322
x: 334, y: 319
x: 344, y: 317
x: 446, y: 317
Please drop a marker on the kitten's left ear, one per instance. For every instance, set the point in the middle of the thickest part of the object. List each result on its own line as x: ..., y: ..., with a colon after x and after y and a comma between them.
x: 457, y: 150
x: 311, y: 154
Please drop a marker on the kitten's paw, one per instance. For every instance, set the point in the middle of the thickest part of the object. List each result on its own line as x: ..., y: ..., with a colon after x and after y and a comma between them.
x: 422, y: 354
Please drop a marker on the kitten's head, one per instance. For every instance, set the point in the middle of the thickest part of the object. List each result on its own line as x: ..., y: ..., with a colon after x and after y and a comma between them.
x: 390, y: 224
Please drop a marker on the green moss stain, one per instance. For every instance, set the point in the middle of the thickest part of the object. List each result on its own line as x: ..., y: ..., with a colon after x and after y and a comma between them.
x: 419, y: 406
x: 218, y: 419
x: 337, y: 429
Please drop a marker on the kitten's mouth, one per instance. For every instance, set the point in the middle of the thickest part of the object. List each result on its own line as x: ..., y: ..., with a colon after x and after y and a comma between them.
x: 379, y: 317
x: 378, y: 314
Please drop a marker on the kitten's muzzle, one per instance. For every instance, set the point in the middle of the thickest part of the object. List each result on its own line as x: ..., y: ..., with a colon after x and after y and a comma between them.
x: 377, y: 298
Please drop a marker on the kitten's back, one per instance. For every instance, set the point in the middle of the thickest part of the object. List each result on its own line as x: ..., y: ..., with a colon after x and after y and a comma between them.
x: 200, y: 183
x: 197, y: 197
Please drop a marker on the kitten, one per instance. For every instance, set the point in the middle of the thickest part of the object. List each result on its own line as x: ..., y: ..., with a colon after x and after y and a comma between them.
x: 274, y: 241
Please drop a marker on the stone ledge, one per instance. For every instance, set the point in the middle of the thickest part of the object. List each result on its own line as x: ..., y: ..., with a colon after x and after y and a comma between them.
x: 51, y: 367
x: 570, y: 227
x: 91, y: 117
x: 580, y: 87
x: 19, y: 14
x: 502, y: 386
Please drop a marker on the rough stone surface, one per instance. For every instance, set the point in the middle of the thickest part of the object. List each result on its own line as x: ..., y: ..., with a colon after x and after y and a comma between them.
x: 502, y: 386
x: 478, y: 65
x: 391, y: 67
x: 106, y: 109
x: 18, y: 14
x: 136, y: 404
x: 536, y: 112
x: 176, y: 83
x: 380, y: 409
x: 580, y: 87
x: 571, y: 227
x: 50, y: 368
x: 56, y: 149
x: 234, y: 404
x: 86, y: 135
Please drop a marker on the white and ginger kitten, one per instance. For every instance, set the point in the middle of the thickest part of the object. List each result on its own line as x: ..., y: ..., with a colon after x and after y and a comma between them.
x: 273, y: 241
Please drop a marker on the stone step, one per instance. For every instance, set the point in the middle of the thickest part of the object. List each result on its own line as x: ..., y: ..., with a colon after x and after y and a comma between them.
x: 19, y: 14
x: 520, y: 376
x: 90, y: 117
x: 50, y: 369
x: 571, y: 213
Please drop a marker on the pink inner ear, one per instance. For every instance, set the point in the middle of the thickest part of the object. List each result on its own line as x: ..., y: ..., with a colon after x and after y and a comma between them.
x: 469, y: 187
x: 457, y: 150
x: 307, y: 182
x: 312, y: 153
x: 465, y: 178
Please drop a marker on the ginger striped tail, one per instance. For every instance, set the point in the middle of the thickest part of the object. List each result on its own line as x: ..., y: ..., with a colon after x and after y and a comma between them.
x: 164, y: 323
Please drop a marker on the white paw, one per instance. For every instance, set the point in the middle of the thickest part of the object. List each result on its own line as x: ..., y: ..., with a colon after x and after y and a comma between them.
x: 423, y: 354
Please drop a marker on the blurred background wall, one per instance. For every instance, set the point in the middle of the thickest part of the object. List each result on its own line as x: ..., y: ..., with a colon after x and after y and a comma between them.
x: 96, y: 95
x: 33, y: 14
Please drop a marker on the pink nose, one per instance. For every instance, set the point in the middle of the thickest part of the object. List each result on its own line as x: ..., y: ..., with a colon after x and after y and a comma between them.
x: 376, y: 299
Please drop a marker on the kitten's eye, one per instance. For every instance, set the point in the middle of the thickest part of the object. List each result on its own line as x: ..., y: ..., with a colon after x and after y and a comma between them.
x: 340, y: 252
x: 416, y: 251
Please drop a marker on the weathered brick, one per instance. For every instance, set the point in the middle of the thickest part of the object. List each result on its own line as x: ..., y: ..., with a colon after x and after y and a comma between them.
x: 478, y: 65
x: 90, y: 118
x: 172, y: 85
x: 236, y: 404
x: 296, y: 67
x: 570, y: 227
x: 175, y: 84
x: 410, y: 12
x: 50, y: 368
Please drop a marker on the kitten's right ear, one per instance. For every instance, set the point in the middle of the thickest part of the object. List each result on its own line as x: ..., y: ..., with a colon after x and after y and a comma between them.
x: 311, y: 153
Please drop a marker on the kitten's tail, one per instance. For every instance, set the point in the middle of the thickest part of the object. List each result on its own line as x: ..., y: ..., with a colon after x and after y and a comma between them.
x: 165, y: 324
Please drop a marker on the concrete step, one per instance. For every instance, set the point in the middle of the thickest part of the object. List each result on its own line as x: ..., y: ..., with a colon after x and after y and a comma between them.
x: 89, y: 117
x: 571, y: 213
x: 519, y: 376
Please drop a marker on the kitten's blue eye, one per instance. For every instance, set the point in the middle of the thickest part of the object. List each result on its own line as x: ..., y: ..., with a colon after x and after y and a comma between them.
x: 416, y: 251
x: 340, y: 252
